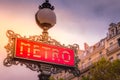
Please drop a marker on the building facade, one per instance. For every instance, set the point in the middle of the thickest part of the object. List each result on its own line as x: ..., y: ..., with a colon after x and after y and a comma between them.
x: 109, y: 48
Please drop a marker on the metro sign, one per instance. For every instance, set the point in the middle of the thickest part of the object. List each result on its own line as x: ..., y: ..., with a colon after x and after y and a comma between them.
x: 41, y: 52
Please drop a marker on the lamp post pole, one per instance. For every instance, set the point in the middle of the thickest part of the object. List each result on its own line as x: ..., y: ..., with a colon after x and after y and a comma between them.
x: 44, y: 76
x: 45, y: 18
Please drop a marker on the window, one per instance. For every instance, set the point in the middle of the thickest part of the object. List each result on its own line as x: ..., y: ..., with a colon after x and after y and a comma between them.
x: 111, y: 43
x: 100, y: 54
x: 83, y: 65
x: 118, y: 41
x: 118, y: 29
x: 112, y: 32
x: 118, y: 56
x: 111, y: 59
x: 82, y: 76
x: 89, y: 62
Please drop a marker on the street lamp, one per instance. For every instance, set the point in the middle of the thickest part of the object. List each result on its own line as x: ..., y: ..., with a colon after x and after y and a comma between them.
x: 45, y: 18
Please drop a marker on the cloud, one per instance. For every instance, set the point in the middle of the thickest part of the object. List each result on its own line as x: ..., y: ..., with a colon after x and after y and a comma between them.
x: 92, y: 12
x: 106, y: 9
x: 73, y: 16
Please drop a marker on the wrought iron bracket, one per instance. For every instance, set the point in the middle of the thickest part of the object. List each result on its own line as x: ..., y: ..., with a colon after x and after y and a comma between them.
x: 37, y: 66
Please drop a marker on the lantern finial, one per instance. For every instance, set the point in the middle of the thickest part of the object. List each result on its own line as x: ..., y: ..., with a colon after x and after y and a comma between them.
x: 46, y: 4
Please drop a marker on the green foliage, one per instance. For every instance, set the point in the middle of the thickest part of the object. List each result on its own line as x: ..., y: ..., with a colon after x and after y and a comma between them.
x: 85, y: 78
x: 116, y: 69
x: 61, y: 79
x: 106, y: 70
x: 51, y: 78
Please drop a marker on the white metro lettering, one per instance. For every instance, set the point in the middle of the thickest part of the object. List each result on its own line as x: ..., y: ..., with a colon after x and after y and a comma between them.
x: 46, y: 50
x: 36, y: 51
x: 42, y: 52
x: 22, y: 47
x: 66, y: 56
x: 55, y: 53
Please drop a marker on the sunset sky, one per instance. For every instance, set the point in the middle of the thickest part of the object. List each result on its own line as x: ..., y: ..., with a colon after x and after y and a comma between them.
x: 78, y: 21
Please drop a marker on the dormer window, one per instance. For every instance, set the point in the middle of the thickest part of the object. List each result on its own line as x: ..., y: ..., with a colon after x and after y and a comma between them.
x: 118, y: 56
x: 112, y: 32
x: 118, y: 28
x: 111, y: 43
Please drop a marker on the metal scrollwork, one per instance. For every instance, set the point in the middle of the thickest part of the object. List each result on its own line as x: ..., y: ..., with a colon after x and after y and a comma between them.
x: 10, y: 48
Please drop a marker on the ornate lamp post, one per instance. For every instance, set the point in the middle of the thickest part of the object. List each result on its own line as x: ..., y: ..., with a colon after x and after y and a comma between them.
x: 46, y: 19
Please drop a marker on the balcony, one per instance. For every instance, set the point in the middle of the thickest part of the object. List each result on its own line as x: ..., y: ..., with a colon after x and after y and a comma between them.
x: 84, y: 68
x: 113, y: 48
x: 68, y: 77
x: 98, y: 49
x: 88, y: 65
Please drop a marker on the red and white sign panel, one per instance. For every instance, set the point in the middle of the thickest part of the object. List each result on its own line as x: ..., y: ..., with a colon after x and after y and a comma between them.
x: 41, y: 52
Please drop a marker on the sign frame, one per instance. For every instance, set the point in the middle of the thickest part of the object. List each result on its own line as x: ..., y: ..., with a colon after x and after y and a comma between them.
x: 38, y: 66
x: 38, y: 61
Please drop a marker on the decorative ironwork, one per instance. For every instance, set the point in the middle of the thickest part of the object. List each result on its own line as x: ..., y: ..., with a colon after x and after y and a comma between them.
x: 46, y: 4
x: 37, y: 66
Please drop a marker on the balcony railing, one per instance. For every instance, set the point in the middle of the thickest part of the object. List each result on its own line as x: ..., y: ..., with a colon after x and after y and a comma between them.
x: 84, y: 67
x: 96, y: 50
x: 68, y: 77
x: 99, y: 49
x: 113, y: 48
x: 89, y: 64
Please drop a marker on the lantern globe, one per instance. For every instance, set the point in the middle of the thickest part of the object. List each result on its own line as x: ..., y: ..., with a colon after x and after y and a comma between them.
x: 45, y: 18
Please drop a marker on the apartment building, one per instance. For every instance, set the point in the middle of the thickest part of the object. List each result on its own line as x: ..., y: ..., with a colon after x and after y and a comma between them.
x: 112, y: 42
x: 108, y: 47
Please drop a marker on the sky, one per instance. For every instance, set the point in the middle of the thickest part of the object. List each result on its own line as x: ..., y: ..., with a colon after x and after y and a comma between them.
x: 78, y: 21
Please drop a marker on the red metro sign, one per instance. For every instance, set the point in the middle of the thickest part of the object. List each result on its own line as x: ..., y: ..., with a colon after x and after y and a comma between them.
x: 41, y: 52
